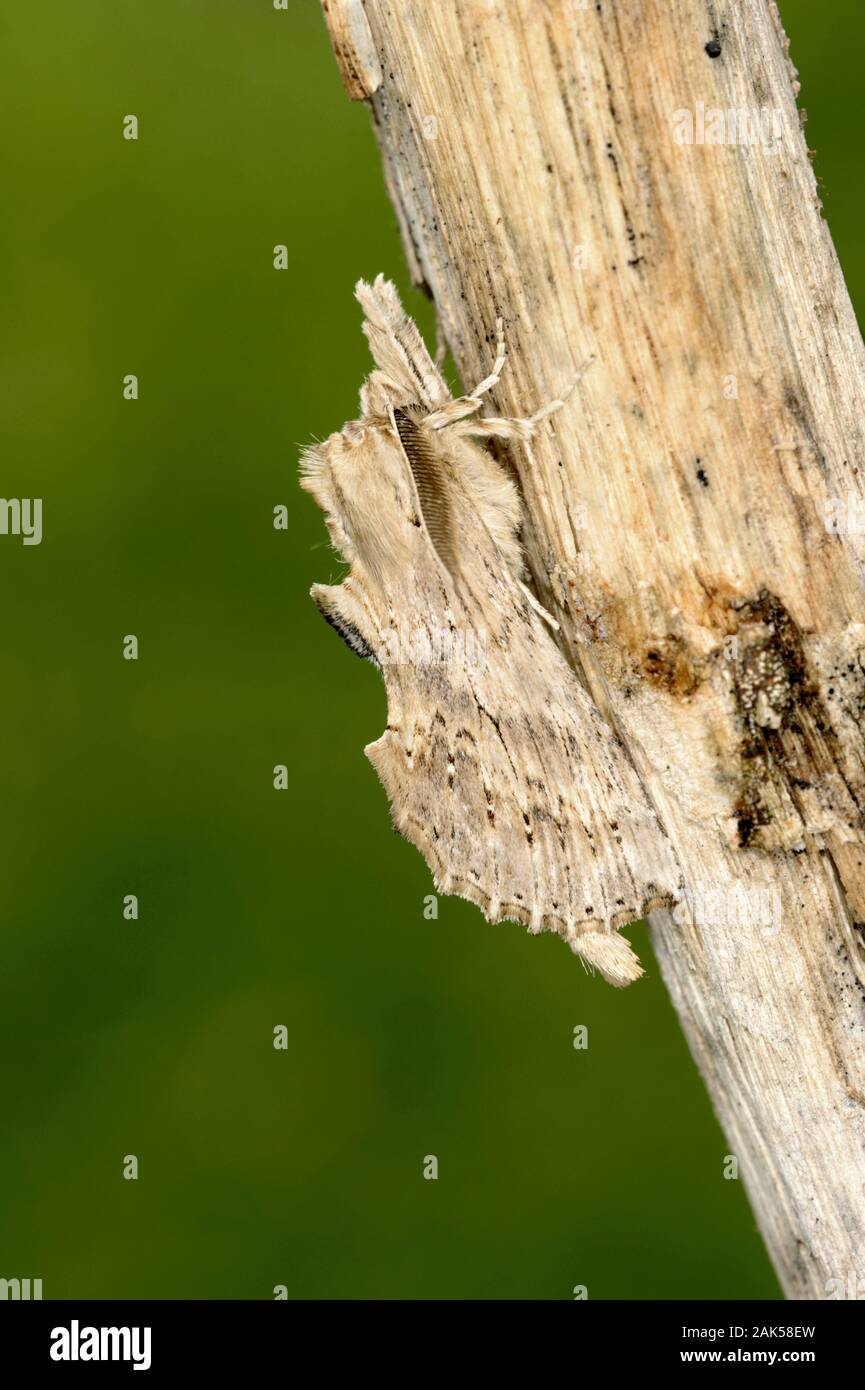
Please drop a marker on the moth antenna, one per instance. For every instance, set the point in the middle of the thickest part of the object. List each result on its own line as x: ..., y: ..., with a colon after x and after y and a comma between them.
x: 431, y: 488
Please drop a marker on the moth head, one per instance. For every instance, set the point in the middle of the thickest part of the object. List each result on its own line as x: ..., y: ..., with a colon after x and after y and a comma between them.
x: 427, y: 519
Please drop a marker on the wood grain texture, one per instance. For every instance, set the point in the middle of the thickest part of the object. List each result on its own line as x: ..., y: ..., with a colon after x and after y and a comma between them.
x: 691, y: 512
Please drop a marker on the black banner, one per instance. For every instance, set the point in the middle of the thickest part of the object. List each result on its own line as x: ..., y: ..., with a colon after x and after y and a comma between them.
x: 155, y: 1338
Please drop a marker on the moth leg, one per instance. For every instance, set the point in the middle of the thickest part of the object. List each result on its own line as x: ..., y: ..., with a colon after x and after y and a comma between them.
x: 501, y: 357
x: 494, y: 427
x: 539, y: 608
x: 453, y: 411
x: 552, y: 406
x: 467, y: 405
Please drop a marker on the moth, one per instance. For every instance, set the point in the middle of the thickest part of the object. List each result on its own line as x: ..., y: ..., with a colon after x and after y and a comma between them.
x: 497, y: 764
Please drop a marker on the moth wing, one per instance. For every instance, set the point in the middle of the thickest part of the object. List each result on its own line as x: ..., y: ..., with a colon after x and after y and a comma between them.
x: 520, y: 799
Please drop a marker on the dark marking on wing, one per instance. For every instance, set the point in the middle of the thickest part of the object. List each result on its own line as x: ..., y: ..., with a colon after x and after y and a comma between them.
x: 349, y: 634
x: 431, y: 487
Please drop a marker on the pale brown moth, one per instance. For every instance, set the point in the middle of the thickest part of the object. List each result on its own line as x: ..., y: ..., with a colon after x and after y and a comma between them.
x: 498, y: 766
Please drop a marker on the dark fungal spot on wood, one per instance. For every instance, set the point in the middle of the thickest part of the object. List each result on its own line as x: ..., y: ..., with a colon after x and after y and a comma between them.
x: 787, y: 742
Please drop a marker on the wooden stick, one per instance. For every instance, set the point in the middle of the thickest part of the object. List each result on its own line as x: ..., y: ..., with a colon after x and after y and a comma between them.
x: 630, y: 180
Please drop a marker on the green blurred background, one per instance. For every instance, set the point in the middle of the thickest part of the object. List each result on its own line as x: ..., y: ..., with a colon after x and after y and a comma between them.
x: 258, y: 908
